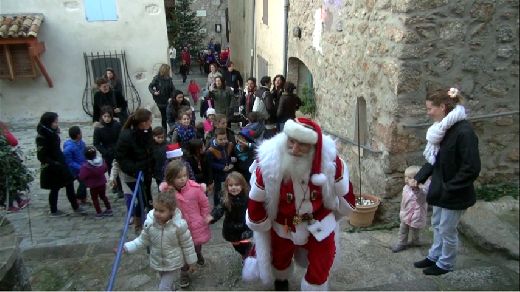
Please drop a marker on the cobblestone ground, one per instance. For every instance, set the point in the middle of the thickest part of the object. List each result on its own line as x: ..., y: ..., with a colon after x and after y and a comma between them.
x: 75, y: 252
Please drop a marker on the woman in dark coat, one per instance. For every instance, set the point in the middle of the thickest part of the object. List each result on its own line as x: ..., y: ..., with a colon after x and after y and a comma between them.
x: 453, y: 162
x: 55, y: 173
x: 162, y: 89
x: 288, y: 104
x: 105, y: 139
x: 134, y: 153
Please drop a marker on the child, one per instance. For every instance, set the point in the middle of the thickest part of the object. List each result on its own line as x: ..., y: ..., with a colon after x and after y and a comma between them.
x: 185, y: 131
x: 413, y: 210
x: 174, y: 152
x: 208, y: 101
x: 194, y: 90
x: 256, y: 124
x: 198, y: 162
x: 92, y: 173
x: 170, y: 242
x: 233, y: 205
x: 194, y: 205
x: 219, y: 159
x: 208, y: 122
x: 159, y: 154
x: 245, y: 151
x: 74, y: 151
x: 221, y: 123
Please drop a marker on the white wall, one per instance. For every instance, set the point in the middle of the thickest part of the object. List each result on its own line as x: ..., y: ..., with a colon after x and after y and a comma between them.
x: 140, y: 30
x: 269, y: 39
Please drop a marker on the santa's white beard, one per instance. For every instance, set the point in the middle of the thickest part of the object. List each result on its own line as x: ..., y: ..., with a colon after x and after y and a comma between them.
x: 297, y: 167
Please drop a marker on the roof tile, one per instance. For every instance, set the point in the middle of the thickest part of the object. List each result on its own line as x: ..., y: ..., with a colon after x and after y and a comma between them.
x: 22, y: 25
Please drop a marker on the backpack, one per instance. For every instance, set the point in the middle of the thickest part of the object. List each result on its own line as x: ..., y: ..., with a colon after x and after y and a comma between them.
x: 259, y: 105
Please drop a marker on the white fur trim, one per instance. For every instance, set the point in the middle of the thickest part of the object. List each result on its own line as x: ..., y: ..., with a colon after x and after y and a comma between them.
x: 250, y: 271
x: 256, y: 193
x: 283, y: 274
x: 299, y: 237
x: 300, y: 257
x: 318, y: 179
x: 344, y: 208
x: 262, y: 226
x: 300, y: 132
x: 341, y: 187
x: 306, y: 286
x: 174, y: 153
x: 263, y: 256
x: 322, y: 229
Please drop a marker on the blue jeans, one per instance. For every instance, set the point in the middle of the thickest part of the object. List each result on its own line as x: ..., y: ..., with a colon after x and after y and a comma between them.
x: 445, y: 237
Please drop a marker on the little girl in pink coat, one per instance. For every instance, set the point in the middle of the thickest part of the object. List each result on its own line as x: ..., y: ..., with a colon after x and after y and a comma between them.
x: 194, y: 206
x: 413, y: 211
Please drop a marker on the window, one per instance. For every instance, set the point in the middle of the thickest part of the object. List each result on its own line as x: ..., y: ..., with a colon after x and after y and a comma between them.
x: 100, y: 10
x: 361, y: 130
x: 16, y: 62
x: 265, y: 16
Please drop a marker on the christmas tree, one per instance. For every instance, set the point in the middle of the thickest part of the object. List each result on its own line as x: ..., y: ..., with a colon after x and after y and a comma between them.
x: 184, y: 26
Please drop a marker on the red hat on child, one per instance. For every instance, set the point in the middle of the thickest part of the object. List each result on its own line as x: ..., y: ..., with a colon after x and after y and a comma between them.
x: 173, y: 151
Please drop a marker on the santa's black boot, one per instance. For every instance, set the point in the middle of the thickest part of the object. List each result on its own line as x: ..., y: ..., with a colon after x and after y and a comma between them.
x: 281, y: 285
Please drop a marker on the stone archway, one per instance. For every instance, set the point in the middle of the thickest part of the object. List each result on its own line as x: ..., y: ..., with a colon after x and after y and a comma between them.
x: 299, y: 74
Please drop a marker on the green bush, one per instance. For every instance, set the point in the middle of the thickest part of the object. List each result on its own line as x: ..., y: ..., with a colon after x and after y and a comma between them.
x: 492, y: 192
x: 14, y: 176
x: 309, y: 101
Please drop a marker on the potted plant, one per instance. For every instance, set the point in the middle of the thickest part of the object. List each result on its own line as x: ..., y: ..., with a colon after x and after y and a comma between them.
x: 366, y: 204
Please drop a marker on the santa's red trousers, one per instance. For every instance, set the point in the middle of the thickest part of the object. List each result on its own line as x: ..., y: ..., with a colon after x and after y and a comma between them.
x: 320, y: 256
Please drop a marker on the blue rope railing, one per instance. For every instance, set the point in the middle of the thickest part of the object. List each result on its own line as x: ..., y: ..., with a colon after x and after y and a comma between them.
x: 137, y: 194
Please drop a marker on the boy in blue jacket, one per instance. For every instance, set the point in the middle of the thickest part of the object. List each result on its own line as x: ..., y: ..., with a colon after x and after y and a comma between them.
x: 74, y: 151
x: 219, y: 158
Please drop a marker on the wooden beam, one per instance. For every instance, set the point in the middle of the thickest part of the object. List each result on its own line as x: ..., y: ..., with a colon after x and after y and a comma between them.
x: 17, y: 41
x: 9, y: 62
x: 43, y: 70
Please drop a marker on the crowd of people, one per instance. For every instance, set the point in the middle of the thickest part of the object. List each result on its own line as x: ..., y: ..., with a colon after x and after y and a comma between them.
x: 275, y: 178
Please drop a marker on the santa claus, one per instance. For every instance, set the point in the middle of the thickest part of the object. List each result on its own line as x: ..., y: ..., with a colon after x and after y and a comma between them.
x: 299, y: 190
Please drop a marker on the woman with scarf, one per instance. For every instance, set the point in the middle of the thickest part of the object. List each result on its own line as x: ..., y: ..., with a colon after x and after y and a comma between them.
x: 134, y: 154
x: 453, y: 162
x: 55, y: 173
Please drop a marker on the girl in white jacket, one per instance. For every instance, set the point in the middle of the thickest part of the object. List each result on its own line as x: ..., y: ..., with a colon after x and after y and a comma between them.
x: 169, y: 239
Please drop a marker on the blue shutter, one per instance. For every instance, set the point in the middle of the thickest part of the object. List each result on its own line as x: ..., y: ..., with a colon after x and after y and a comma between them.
x: 100, y: 10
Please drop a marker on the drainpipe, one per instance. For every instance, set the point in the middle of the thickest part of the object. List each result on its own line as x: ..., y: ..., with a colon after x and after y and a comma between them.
x: 253, y: 42
x: 285, y: 36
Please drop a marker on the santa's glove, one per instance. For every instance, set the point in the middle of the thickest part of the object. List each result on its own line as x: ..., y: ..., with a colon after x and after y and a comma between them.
x: 317, y: 229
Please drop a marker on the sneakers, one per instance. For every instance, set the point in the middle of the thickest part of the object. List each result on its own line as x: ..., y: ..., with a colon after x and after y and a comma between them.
x: 185, y: 279
x: 13, y: 209
x: 23, y: 203
x: 398, y: 248
x: 435, y: 271
x: 108, y: 213
x: 99, y: 216
x: 58, y: 214
x: 424, y: 263
x: 80, y: 211
x: 200, y: 260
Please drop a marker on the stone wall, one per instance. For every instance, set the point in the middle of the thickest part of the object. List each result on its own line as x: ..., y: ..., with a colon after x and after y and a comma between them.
x: 215, y: 14
x: 392, y: 52
x: 472, y: 45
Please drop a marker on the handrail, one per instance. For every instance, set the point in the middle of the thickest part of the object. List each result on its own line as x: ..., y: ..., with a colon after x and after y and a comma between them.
x: 117, y: 260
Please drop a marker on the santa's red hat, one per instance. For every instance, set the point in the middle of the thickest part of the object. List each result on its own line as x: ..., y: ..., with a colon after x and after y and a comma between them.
x: 305, y: 130
x: 173, y: 151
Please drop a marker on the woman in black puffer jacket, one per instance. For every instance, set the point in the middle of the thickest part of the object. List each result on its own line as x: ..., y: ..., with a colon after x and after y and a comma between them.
x: 55, y: 173
x: 162, y: 89
x: 134, y: 154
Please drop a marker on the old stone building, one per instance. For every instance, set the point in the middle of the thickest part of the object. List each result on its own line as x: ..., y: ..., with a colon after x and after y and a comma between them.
x: 213, y: 17
x: 377, y: 60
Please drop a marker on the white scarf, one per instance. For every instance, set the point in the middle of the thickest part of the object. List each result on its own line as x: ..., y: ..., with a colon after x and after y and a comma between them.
x: 437, y: 131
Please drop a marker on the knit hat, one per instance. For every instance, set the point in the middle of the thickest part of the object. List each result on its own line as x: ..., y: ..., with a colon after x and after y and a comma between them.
x: 173, y: 151
x: 211, y: 111
x: 248, y: 134
x: 305, y: 130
